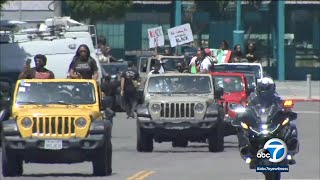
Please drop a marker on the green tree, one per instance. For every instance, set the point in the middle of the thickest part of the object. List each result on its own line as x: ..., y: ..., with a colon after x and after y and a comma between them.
x: 96, y: 9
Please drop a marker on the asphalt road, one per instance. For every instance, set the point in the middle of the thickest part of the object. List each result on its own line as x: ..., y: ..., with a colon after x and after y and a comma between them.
x: 191, y: 163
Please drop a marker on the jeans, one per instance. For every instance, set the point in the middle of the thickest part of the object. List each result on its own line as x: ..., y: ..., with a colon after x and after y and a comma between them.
x: 130, y: 100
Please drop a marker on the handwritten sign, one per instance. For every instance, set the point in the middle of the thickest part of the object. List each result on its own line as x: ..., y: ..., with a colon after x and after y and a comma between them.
x: 180, y: 35
x: 156, y: 37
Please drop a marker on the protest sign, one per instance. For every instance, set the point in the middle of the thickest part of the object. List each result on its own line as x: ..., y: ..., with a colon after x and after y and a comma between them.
x: 156, y: 37
x: 180, y: 35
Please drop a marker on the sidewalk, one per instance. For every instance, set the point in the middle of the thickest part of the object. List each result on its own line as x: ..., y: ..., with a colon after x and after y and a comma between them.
x: 298, y: 90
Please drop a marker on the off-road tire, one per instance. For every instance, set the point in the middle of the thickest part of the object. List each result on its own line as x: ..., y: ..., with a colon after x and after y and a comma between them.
x: 216, y: 139
x: 144, y: 141
x: 12, y: 164
x: 179, y: 143
x: 102, y: 164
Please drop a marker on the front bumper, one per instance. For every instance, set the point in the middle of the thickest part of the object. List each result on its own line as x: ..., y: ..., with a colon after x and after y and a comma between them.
x: 91, y: 142
x: 174, y: 128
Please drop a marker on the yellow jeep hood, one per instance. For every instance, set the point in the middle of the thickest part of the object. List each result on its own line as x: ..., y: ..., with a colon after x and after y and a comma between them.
x: 56, y: 111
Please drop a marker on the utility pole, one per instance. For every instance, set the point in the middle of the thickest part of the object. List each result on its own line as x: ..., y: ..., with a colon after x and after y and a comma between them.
x: 280, y: 40
x: 177, y: 22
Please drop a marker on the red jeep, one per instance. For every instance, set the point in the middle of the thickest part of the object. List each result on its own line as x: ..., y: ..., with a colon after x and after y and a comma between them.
x: 236, y: 91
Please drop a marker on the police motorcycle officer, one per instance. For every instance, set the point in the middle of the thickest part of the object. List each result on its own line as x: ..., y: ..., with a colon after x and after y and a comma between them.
x: 265, y: 95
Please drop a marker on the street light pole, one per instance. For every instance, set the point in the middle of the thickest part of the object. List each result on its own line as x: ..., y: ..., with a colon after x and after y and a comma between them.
x: 177, y: 22
x: 281, y: 49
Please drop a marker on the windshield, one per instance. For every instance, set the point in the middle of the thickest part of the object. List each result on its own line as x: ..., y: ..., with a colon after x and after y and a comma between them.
x: 229, y: 83
x: 56, y: 93
x: 239, y: 68
x: 114, y: 68
x: 179, y: 84
x: 170, y: 64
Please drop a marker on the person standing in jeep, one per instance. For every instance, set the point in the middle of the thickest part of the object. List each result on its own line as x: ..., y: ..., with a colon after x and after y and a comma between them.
x: 129, y: 80
x: 37, y: 72
x: 83, y: 66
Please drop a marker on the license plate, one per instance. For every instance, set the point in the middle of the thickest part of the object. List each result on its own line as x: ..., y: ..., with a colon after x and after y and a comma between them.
x: 53, y: 144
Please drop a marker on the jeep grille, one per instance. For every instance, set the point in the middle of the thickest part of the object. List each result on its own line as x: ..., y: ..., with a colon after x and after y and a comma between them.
x: 53, y: 126
x: 177, y: 110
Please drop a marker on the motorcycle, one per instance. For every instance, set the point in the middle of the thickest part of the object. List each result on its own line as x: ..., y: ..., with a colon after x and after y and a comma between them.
x: 257, y: 124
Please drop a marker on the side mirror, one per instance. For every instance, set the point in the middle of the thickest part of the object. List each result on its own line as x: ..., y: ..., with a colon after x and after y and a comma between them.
x: 218, y: 93
x: 103, y: 105
x: 293, y: 116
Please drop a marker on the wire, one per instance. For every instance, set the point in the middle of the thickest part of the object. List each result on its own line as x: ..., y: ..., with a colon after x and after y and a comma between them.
x: 50, y: 5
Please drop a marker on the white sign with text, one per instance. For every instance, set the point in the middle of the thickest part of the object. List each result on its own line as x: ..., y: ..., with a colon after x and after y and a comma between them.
x: 156, y: 37
x: 180, y: 35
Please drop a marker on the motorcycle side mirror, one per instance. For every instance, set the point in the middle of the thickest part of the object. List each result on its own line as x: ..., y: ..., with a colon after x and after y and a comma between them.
x: 219, y: 93
x: 293, y: 116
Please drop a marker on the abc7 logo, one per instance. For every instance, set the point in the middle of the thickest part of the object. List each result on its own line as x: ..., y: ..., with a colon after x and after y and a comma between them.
x: 275, y: 150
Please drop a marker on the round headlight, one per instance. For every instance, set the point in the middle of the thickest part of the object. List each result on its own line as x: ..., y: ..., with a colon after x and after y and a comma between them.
x: 26, y: 122
x: 81, y: 122
x: 155, y: 108
x: 199, y: 107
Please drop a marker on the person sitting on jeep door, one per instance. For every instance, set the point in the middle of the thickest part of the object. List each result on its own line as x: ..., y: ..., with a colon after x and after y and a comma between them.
x: 83, y: 66
x: 37, y: 72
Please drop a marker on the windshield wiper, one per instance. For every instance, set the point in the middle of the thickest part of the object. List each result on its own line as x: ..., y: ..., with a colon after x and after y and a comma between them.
x: 67, y: 103
x: 33, y: 103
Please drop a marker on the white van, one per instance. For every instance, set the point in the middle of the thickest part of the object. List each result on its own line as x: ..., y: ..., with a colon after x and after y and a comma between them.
x: 59, y: 48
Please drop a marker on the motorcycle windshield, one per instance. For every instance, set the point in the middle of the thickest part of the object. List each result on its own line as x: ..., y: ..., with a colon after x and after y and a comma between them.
x: 264, y: 119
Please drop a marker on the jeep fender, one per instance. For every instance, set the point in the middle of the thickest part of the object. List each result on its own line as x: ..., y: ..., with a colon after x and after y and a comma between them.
x: 215, y: 110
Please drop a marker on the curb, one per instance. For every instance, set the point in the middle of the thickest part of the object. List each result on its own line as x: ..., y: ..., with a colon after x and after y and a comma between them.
x: 303, y: 100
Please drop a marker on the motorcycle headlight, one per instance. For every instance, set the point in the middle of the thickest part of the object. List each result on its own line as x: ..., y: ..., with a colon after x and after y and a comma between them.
x: 26, y: 122
x: 285, y: 122
x: 199, y: 108
x: 155, y: 108
x: 244, y: 125
x: 81, y: 122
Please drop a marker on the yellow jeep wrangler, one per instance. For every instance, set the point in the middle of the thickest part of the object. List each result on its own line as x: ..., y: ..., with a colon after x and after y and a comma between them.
x: 56, y: 121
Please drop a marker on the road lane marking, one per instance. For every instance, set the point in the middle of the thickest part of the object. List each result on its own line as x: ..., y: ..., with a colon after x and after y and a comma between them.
x: 308, y: 112
x: 136, y: 175
x: 143, y: 177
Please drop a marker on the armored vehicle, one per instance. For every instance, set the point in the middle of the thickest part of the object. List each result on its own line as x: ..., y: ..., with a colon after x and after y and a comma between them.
x: 178, y: 108
x: 56, y: 121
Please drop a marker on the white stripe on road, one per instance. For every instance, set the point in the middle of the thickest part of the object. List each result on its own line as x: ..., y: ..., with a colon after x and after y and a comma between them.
x: 308, y: 112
